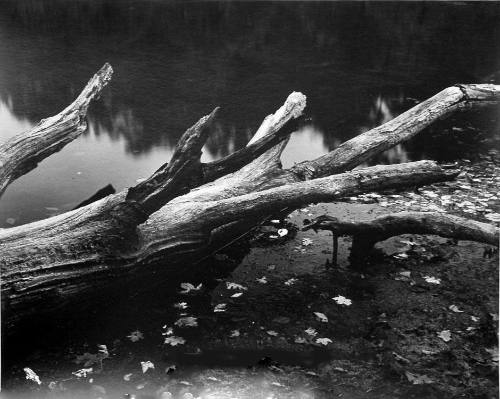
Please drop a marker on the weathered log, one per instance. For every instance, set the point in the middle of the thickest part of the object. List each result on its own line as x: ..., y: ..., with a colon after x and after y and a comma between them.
x: 381, y: 228
x: 23, y: 152
x: 402, y: 128
x: 367, y: 232
x: 153, y: 229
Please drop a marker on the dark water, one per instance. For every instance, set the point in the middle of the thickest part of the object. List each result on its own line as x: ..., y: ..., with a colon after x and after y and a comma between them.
x: 360, y: 64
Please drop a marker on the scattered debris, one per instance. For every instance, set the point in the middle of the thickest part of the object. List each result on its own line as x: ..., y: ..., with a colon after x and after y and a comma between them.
x: 31, y: 375
x: 445, y: 335
x: 174, y: 341
x: 135, y: 336
x: 146, y: 366
x: 342, y: 300
x: 321, y: 317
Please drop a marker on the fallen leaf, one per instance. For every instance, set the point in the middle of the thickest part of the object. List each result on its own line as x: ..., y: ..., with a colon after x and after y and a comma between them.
x: 221, y: 307
x: 405, y: 274
x: 147, y: 365
x: 187, y: 322
x: 311, y: 331
x: 126, y: 377
x: 454, y: 308
x: 432, y: 280
x: 272, y: 333
x: 277, y: 384
x: 321, y: 317
x: 262, y: 280
x: 103, y: 350
x: 417, y: 379
x: 181, y: 305
x: 306, y: 242
x: 474, y: 319
x: 282, y: 232
x: 31, y: 375
x: 135, y: 336
x: 300, y: 340
x: 238, y: 294
x: 235, y: 286
x: 168, y: 330
x: 188, y: 287
x: 291, y: 281
x: 187, y: 383
x: 323, y: 341
x: 82, y: 373
x: 445, y: 335
x: 234, y: 334
x: 342, y: 300
x: 174, y: 341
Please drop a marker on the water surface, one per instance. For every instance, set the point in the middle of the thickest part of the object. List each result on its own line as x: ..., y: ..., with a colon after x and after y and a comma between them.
x: 360, y: 64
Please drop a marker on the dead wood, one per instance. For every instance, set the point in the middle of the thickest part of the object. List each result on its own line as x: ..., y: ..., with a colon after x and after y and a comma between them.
x: 159, y: 226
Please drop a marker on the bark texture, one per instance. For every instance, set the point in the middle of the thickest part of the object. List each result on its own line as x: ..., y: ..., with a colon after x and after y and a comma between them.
x: 383, y: 227
x: 23, y: 152
x: 161, y: 225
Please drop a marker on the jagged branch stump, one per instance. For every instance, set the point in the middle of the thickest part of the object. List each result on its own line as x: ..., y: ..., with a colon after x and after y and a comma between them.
x: 160, y: 226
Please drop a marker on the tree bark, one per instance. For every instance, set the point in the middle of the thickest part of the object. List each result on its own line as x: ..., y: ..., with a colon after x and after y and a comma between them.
x: 159, y: 226
x: 23, y: 152
x: 383, y: 227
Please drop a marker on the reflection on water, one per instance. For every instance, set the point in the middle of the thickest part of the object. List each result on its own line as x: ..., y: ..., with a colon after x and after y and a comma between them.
x: 360, y: 64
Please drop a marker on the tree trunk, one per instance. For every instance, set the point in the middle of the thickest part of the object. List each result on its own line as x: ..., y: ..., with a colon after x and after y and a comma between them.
x: 162, y: 224
x: 367, y: 232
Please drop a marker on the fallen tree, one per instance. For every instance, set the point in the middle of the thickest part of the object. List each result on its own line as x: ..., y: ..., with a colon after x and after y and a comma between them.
x: 367, y: 232
x: 163, y: 224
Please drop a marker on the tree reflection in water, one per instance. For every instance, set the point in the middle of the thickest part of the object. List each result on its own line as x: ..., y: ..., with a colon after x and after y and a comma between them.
x: 359, y: 64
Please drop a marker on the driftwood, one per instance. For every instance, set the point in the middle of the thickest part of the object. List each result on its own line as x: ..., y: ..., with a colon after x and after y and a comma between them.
x: 367, y: 232
x: 161, y: 225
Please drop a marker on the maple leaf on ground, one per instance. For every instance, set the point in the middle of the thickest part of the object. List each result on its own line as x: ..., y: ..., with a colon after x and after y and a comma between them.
x: 454, y: 308
x: 31, y: 375
x: 417, y: 379
x: 306, y: 242
x: 188, y: 287
x: 291, y: 281
x: 282, y: 232
x: 147, y: 365
x: 311, y: 331
x: 181, y: 305
x: 174, y: 341
x: 187, y: 322
x: 82, y: 373
x: 445, y: 335
x: 432, y: 280
x: 221, y: 307
x: 342, y: 300
x: 235, y: 286
x: 323, y: 341
x: 135, y: 336
x: 321, y: 317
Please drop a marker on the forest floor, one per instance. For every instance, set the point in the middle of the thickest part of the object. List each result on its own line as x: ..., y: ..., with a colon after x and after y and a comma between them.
x: 418, y: 320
